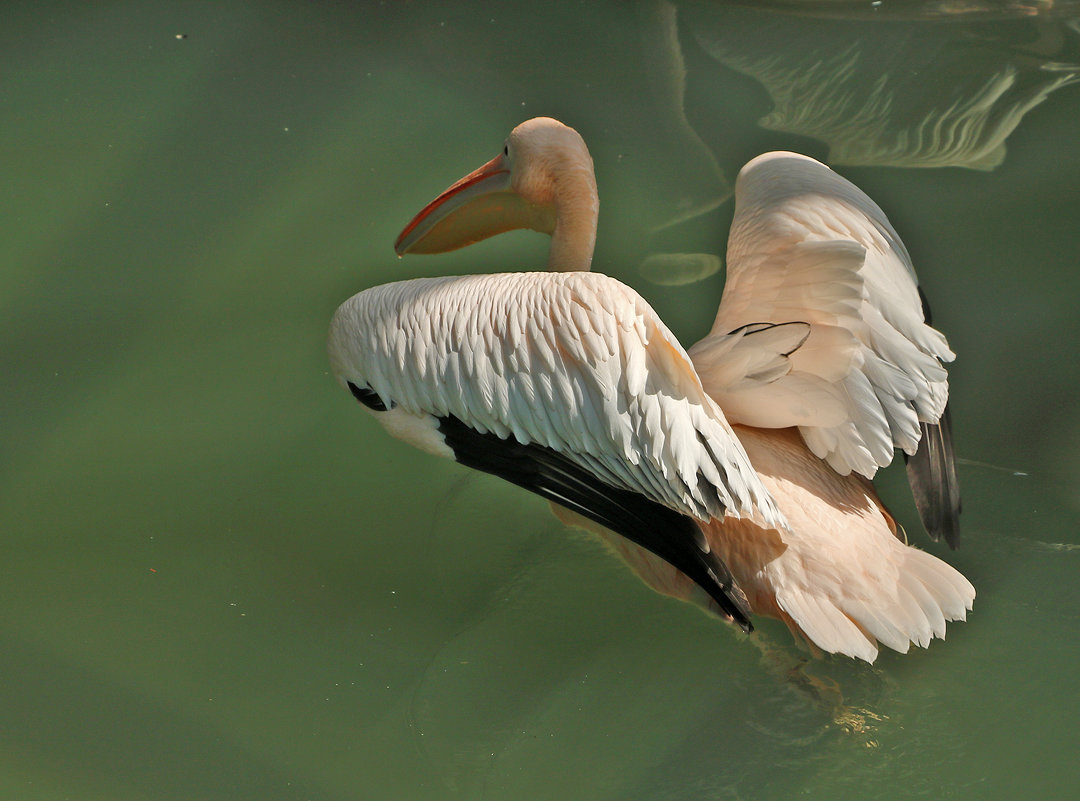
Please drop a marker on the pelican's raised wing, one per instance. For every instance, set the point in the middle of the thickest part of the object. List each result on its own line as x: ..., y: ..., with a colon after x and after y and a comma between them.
x: 856, y: 367
x: 565, y: 383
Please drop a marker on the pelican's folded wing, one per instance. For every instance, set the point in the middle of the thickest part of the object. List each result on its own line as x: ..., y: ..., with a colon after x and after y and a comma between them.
x: 808, y: 246
x: 575, y: 364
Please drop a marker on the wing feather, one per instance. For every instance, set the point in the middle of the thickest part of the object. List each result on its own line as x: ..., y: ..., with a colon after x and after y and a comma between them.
x: 588, y: 370
x: 808, y: 246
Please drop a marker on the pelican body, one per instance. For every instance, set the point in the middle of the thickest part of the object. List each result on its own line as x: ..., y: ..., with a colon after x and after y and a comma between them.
x: 734, y: 475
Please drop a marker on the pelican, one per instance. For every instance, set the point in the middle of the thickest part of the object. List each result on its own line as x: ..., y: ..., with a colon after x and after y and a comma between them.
x: 735, y: 475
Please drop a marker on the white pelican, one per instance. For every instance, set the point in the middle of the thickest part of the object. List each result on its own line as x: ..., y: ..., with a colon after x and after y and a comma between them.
x: 569, y: 385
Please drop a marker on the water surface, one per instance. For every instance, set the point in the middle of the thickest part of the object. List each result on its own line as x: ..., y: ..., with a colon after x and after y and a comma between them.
x: 221, y: 580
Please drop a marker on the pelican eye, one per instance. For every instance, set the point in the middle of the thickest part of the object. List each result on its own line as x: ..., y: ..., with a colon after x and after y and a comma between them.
x: 368, y: 397
x: 506, y: 149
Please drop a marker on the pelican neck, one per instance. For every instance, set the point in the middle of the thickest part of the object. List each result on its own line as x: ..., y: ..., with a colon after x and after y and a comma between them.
x: 576, y: 211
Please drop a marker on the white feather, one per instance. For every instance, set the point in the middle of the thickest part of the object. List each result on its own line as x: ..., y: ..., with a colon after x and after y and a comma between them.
x: 808, y: 246
x: 598, y: 378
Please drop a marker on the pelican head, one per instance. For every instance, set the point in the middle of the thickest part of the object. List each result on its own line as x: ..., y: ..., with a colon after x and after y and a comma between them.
x: 542, y: 180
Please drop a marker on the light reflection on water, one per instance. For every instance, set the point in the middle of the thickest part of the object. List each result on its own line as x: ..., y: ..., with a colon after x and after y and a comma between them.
x: 221, y: 581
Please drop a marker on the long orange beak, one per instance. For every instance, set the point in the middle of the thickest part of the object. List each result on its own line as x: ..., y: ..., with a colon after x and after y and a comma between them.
x: 480, y: 205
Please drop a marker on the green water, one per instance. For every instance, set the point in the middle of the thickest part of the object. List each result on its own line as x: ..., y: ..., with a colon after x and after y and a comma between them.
x: 221, y: 580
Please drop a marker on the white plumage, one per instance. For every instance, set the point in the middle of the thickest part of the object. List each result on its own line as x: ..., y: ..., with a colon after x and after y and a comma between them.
x: 576, y: 362
x: 820, y: 354
x: 808, y: 246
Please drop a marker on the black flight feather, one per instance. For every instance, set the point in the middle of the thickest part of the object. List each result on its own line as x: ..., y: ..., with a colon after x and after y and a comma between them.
x: 368, y: 397
x: 671, y: 536
x: 932, y: 475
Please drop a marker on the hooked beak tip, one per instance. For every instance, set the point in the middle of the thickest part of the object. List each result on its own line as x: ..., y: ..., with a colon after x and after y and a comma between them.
x: 404, y: 241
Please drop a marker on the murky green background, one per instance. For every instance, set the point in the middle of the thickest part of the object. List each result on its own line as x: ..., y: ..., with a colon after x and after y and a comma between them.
x: 219, y: 579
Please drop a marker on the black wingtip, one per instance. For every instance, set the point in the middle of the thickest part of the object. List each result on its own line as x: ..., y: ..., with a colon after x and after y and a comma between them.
x: 671, y: 536
x: 368, y: 397
x: 934, y: 484
x: 738, y: 608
